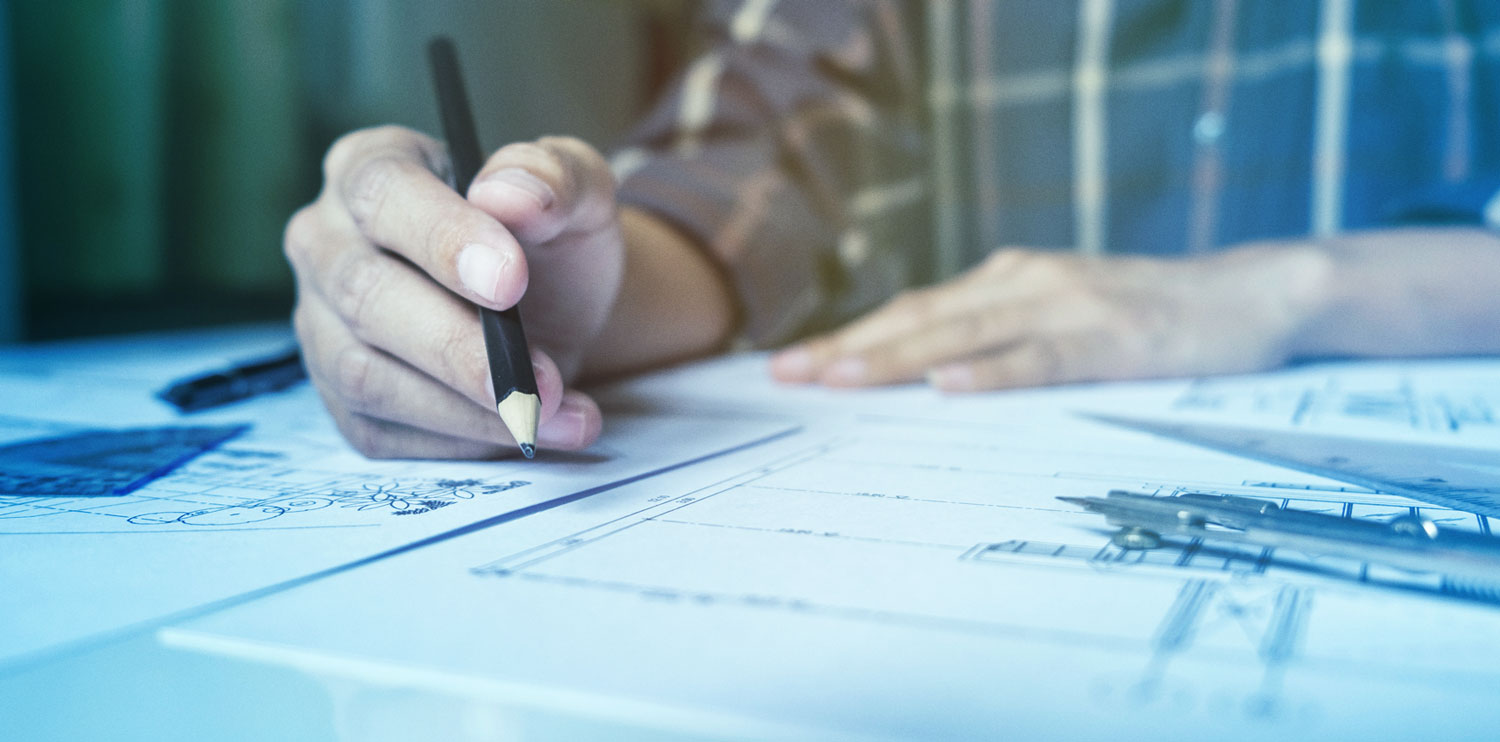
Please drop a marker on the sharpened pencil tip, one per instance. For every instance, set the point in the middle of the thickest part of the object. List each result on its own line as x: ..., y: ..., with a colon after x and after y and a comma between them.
x: 519, y: 412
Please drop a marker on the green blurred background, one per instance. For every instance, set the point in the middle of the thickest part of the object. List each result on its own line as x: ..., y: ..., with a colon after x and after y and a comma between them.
x: 151, y: 150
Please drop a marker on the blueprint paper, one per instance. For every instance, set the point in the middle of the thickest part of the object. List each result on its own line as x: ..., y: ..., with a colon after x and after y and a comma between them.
x: 900, y: 571
x: 285, y: 500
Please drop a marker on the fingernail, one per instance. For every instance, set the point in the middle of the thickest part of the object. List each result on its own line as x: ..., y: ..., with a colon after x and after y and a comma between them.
x: 846, y: 371
x: 794, y: 364
x: 480, y: 268
x: 525, y: 182
x: 566, y: 428
x: 955, y: 378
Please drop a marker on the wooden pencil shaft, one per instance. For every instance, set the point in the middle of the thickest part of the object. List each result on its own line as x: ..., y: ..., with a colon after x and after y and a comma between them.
x: 509, y: 361
x: 453, y: 107
x: 504, y: 338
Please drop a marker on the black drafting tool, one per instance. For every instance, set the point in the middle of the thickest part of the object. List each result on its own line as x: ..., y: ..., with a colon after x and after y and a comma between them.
x: 1460, y: 478
x: 102, y: 463
x: 516, y: 397
x: 240, y: 381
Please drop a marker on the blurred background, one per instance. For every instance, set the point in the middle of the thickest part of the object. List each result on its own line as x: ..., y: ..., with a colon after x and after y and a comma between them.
x: 152, y: 150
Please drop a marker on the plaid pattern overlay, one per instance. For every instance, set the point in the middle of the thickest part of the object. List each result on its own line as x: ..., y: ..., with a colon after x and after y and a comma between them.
x: 827, y: 153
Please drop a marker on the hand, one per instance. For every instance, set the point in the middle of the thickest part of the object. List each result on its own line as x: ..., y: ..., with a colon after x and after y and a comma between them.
x: 1027, y: 318
x: 390, y: 263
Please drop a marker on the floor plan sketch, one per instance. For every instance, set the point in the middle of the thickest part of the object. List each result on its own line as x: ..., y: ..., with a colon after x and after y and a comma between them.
x: 272, y: 499
x: 1426, y: 398
x: 160, y: 479
x: 929, y: 573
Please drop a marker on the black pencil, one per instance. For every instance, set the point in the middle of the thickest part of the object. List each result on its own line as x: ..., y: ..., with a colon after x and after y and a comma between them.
x: 516, y: 397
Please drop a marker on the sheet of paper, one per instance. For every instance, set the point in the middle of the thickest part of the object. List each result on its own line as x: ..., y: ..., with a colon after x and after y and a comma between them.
x: 901, y: 568
x: 282, y: 502
x: 1455, y: 401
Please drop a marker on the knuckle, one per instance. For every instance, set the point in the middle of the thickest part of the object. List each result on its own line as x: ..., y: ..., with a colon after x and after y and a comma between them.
x: 298, y: 239
x: 446, y: 235
x: 460, y: 360
x: 1130, y: 349
x: 536, y: 151
x: 367, y: 186
x: 1042, y: 269
x: 340, y: 152
x: 975, y: 328
x: 918, y: 305
x: 301, y: 325
x: 348, y: 147
x: 364, y: 437
x: 355, y: 290
x: 1003, y: 260
x: 577, y: 151
x: 352, y: 370
x: 1044, y: 363
x: 904, y: 301
x: 546, y: 158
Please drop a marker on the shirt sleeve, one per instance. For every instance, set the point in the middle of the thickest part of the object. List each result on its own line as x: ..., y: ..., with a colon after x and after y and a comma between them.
x: 790, y: 151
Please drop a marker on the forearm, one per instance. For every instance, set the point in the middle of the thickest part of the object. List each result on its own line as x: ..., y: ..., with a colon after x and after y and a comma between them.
x: 1400, y: 292
x: 673, y: 304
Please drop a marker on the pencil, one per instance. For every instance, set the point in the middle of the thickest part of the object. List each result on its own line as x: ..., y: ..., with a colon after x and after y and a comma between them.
x: 516, y: 398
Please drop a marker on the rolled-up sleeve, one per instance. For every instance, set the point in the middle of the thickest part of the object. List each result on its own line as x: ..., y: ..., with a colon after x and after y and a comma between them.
x: 790, y: 151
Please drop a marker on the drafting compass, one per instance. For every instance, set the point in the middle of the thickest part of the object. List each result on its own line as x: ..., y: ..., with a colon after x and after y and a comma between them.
x: 1465, y: 479
x: 1410, y: 542
x: 1459, y: 478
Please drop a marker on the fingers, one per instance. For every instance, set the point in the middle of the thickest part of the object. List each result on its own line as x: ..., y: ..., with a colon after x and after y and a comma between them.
x: 382, y: 439
x: 365, y: 386
x: 390, y: 262
x: 1011, y: 308
x: 540, y: 190
x: 576, y: 425
x: 412, y: 320
x: 1032, y: 363
x: 390, y: 305
x: 840, y: 359
x: 902, y: 339
x: 905, y: 338
x: 368, y: 381
x: 557, y: 196
x: 909, y: 357
x: 387, y: 181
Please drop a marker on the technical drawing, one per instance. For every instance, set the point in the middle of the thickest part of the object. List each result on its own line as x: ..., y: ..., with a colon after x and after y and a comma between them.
x: 1395, y: 402
x: 186, y: 503
x: 181, y: 479
x: 1242, y: 607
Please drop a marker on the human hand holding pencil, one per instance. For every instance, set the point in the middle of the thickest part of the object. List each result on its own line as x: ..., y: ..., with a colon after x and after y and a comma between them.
x: 390, y: 262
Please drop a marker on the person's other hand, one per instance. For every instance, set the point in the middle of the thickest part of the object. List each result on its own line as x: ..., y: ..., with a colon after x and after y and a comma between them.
x: 1028, y: 318
x: 390, y: 263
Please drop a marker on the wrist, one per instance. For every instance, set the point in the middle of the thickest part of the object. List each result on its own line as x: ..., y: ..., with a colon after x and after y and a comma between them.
x: 1288, y: 288
x: 674, y: 303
